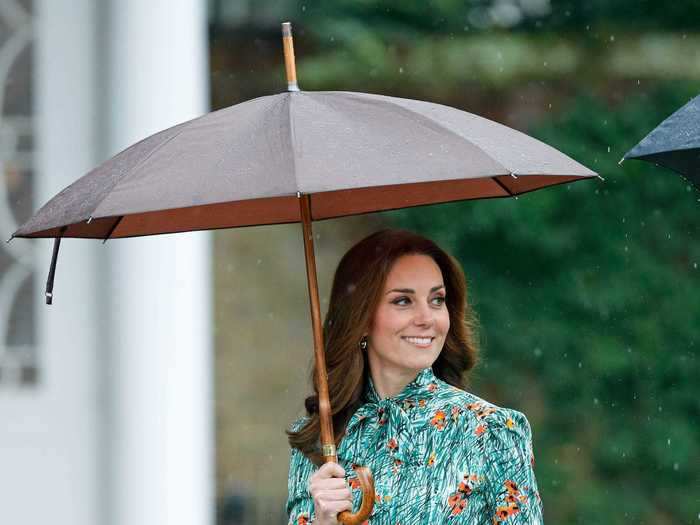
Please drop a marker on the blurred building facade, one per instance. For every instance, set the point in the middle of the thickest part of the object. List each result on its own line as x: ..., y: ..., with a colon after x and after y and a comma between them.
x: 105, y: 396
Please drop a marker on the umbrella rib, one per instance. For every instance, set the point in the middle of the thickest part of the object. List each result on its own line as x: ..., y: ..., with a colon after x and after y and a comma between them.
x: 503, y: 186
x: 291, y: 141
x: 452, y: 132
x: 143, y: 160
x: 111, y: 230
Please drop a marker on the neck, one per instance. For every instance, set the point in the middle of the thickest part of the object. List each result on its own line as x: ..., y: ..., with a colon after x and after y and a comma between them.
x: 390, y: 382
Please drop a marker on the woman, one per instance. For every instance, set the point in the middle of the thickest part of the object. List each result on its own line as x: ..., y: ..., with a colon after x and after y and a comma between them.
x: 399, y: 337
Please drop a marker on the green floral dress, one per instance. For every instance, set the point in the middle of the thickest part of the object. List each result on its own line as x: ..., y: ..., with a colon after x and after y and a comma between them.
x: 438, y: 454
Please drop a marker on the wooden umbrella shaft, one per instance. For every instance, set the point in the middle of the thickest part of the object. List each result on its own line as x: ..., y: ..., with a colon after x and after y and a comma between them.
x: 324, y: 407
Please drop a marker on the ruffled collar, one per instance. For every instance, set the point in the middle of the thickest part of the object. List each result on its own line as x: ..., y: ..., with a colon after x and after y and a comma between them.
x: 393, y: 417
x: 415, y: 394
x: 419, y: 385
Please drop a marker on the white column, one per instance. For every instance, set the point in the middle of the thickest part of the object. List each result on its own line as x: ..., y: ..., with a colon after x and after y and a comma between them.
x: 49, y: 442
x: 161, y: 424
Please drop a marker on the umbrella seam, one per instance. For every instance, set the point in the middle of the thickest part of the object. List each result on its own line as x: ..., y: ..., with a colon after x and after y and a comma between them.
x: 641, y: 157
x: 292, y: 143
x: 140, y: 163
x: 437, y: 123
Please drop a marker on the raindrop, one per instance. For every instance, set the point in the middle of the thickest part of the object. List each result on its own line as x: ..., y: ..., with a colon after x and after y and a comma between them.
x: 401, y: 71
x: 595, y: 400
x: 580, y: 365
x: 676, y: 466
x: 537, y: 352
x: 608, y: 149
x: 612, y: 38
x: 626, y: 249
x: 695, y: 266
x: 668, y: 442
x: 259, y: 262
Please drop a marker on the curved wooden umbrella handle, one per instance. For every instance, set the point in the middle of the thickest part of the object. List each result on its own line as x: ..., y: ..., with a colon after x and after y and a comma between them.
x: 364, y: 476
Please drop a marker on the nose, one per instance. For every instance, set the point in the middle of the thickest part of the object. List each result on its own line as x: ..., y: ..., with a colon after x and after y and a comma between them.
x: 423, y: 315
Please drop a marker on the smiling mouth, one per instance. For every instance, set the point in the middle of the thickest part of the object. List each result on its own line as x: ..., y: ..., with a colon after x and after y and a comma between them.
x: 421, y: 342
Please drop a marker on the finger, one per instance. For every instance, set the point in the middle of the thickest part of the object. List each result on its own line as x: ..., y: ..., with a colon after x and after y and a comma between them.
x: 317, y: 485
x: 332, y: 469
x: 330, y: 509
x: 331, y: 483
x: 334, y: 495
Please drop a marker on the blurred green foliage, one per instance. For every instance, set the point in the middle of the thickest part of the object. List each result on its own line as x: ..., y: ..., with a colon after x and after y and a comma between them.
x: 589, y: 299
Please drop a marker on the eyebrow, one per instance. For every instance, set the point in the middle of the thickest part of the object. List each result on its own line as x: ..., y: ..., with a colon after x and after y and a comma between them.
x: 411, y: 290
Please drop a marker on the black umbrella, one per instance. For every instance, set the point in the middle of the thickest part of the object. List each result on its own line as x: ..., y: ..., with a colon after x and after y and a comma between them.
x: 675, y: 143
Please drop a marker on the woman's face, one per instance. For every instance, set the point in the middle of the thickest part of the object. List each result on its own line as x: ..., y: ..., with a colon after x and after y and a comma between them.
x: 411, y: 322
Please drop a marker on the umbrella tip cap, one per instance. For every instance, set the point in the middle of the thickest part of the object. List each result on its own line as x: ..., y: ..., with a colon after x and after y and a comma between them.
x: 621, y: 161
x: 11, y: 237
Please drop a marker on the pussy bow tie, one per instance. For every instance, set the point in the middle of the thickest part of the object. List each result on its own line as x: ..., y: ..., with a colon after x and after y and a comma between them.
x: 394, y: 422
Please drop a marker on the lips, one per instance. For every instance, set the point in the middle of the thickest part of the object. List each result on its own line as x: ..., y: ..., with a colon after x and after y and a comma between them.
x: 421, y: 342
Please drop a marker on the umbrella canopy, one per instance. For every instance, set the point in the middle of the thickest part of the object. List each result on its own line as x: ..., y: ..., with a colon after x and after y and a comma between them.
x: 351, y: 152
x: 675, y: 143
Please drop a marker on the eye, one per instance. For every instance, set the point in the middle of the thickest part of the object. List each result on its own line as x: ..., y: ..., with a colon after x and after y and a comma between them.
x: 399, y: 300
x: 440, y: 299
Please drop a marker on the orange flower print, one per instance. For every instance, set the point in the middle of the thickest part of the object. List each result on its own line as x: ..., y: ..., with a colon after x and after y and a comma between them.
x: 392, y: 444
x: 382, y: 418
x: 421, y: 403
x: 480, y: 429
x: 455, y: 413
x: 459, y: 499
x: 438, y: 420
x: 432, y: 387
x: 431, y: 459
x: 464, y: 487
x: 456, y: 502
x: 511, y: 486
x: 480, y: 410
x: 354, y: 482
x: 503, y: 513
x: 512, y: 499
x: 509, y: 423
x: 303, y: 519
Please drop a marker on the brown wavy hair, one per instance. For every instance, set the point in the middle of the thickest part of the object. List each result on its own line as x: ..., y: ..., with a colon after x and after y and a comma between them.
x: 357, y: 289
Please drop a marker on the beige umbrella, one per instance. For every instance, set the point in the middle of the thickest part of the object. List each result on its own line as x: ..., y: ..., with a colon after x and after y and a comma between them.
x: 300, y: 156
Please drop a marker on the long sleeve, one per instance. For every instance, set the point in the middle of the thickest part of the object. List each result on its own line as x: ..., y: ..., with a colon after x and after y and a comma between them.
x: 300, y: 505
x: 512, y: 496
